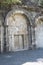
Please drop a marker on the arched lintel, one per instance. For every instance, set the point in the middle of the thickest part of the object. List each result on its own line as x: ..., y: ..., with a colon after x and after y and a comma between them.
x: 38, y: 18
x: 21, y: 11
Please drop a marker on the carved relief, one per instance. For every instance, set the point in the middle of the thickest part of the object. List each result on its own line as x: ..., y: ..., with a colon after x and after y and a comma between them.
x: 17, y: 31
x: 17, y: 21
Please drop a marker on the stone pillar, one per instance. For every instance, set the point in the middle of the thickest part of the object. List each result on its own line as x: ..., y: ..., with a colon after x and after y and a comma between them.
x: 7, y: 39
x: 1, y: 33
x: 12, y: 42
x: 33, y: 38
x: 30, y: 37
x: 2, y: 39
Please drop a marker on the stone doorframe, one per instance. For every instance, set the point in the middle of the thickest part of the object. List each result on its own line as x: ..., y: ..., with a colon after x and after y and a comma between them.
x: 26, y: 13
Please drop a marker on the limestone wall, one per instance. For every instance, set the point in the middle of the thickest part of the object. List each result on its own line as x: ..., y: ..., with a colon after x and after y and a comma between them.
x: 39, y: 32
x: 20, y: 31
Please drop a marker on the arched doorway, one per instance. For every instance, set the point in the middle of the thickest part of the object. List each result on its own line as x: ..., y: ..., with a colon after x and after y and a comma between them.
x: 39, y: 32
x: 17, y: 32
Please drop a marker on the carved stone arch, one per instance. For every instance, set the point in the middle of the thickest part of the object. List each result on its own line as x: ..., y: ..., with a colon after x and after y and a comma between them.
x: 23, y: 13
x: 39, y: 18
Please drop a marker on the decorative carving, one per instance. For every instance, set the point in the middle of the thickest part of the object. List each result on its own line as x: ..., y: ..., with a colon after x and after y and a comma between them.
x: 39, y: 21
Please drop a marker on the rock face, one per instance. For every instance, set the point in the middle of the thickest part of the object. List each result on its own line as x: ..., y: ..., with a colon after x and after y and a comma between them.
x: 30, y: 2
x: 20, y: 28
x: 33, y: 2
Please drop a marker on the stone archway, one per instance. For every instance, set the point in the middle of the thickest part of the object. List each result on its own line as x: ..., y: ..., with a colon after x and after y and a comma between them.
x: 39, y: 32
x: 17, y: 31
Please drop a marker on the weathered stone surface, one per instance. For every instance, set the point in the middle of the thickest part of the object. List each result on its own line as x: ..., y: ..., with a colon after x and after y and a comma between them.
x: 21, y: 30
x: 1, y: 34
x: 39, y: 32
x: 17, y: 31
x: 17, y: 28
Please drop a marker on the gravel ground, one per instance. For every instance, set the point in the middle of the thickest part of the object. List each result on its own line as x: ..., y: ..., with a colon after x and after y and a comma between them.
x: 28, y: 57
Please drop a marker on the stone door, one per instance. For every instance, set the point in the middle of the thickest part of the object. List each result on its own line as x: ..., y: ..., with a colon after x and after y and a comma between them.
x: 18, y: 42
x: 21, y: 42
x: 17, y: 32
x: 39, y: 33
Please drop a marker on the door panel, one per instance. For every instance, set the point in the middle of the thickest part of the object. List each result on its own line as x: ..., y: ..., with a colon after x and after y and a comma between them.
x: 21, y: 42
x: 26, y: 41
x: 16, y: 42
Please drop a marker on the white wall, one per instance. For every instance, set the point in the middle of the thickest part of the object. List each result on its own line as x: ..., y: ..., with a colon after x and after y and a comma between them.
x: 39, y: 35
